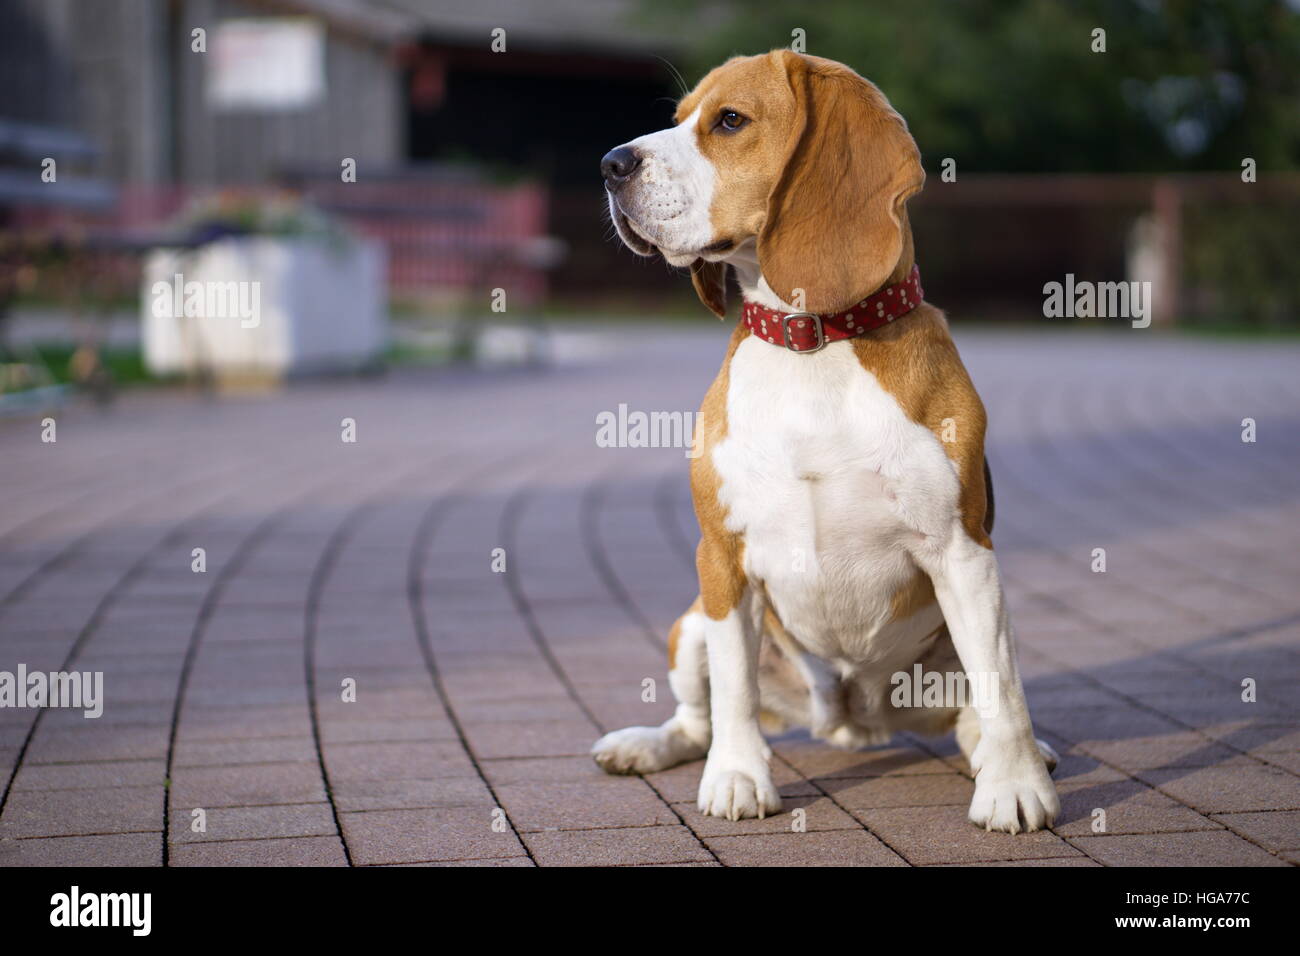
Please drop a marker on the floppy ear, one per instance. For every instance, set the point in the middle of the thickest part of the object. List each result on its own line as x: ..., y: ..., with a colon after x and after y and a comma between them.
x: 710, y: 281
x: 836, y: 219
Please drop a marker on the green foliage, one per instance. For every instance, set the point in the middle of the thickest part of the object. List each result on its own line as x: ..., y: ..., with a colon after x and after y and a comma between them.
x: 249, y: 212
x: 1014, y: 86
x: 1241, y: 261
x: 124, y: 365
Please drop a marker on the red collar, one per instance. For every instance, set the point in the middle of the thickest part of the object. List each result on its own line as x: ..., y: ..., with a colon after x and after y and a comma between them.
x: 808, y: 332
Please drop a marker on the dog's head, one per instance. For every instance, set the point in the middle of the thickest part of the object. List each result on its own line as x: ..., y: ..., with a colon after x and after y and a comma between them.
x: 794, y: 156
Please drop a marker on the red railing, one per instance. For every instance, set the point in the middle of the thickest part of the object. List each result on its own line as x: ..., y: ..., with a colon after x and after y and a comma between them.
x: 449, y: 239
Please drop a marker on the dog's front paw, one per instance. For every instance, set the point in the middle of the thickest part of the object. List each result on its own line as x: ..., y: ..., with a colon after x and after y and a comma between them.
x: 736, y: 794
x: 1014, y: 796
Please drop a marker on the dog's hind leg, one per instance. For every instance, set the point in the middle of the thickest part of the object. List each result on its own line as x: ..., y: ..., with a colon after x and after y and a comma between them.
x: 829, y: 712
x: 684, y: 736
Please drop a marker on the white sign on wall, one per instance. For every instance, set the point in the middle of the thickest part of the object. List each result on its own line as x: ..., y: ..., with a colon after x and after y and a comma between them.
x: 266, y: 64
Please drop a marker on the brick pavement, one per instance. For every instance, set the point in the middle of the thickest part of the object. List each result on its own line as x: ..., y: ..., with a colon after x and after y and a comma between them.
x: 478, y: 693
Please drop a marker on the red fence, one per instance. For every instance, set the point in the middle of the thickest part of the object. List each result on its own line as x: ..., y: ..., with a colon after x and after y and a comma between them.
x: 447, y: 239
x: 1214, y: 246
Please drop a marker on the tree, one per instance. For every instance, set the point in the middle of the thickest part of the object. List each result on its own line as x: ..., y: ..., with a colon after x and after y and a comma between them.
x: 1015, y: 85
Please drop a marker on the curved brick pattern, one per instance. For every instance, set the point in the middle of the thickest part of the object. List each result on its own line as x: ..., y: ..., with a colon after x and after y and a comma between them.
x: 357, y: 679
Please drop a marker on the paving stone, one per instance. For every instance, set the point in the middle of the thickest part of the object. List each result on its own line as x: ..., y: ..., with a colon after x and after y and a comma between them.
x: 239, y: 723
x: 39, y: 813
x: 1102, y: 724
x: 413, y: 759
x: 1212, y: 848
x: 618, y: 711
x: 1167, y: 750
x: 243, y: 786
x: 1130, y: 807
x: 614, y: 802
x: 1229, y: 789
x: 1256, y: 736
x: 150, y: 713
x: 920, y: 790
x: 255, y: 823
x: 413, y: 702
x: 303, y: 851
x: 1197, y: 709
x: 411, y: 836
x: 501, y: 861
x: 625, y: 846
x: 79, y: 776
x: 823, y: 848
x: 398, y: 794
x: 487, y: 710
x: 924, y: 835
x: 113, y: 849
x: 469, y: 687
x: 1133, y: 676
x: 224, y: 753
x: 1070, y: 861
x: 13, y: 730
x: 545, y: 770
x: 1289, y: 761
x: 91, y: 743
x: 531, y: 739
x: 1274, y: 830
x: 386, y: 731
x: 658, y: 866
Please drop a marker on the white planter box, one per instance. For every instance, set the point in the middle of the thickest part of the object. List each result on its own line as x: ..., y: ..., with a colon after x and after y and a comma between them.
x: 266, y: 307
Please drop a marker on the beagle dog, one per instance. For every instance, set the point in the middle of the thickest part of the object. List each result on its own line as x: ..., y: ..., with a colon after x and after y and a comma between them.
x: 839, y: 480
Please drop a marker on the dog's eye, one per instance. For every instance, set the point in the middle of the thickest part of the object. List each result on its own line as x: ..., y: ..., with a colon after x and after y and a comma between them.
x: 731, y: 121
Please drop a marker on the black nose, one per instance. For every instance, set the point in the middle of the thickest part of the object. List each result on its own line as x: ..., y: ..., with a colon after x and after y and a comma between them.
x: 618, y: 165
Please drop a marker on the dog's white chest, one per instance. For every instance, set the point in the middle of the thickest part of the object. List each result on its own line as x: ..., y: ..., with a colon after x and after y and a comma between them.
x: 829, y: 482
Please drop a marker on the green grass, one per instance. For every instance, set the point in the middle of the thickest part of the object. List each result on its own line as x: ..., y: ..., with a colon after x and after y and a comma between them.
x: 125, y: 365
x: 400, y: 354
x: 1235, y: 330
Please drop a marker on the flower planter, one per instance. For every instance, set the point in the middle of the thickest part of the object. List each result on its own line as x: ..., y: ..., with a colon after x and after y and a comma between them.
x: 264, y: 307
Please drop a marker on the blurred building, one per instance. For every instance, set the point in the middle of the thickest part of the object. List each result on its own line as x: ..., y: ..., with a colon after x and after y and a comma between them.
x: 126, y: 74
x: 465, y: 138
x: 384, y: 81
x: 477, y: 126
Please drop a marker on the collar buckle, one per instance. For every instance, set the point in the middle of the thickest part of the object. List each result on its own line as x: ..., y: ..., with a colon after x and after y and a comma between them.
x: 817, y: 328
